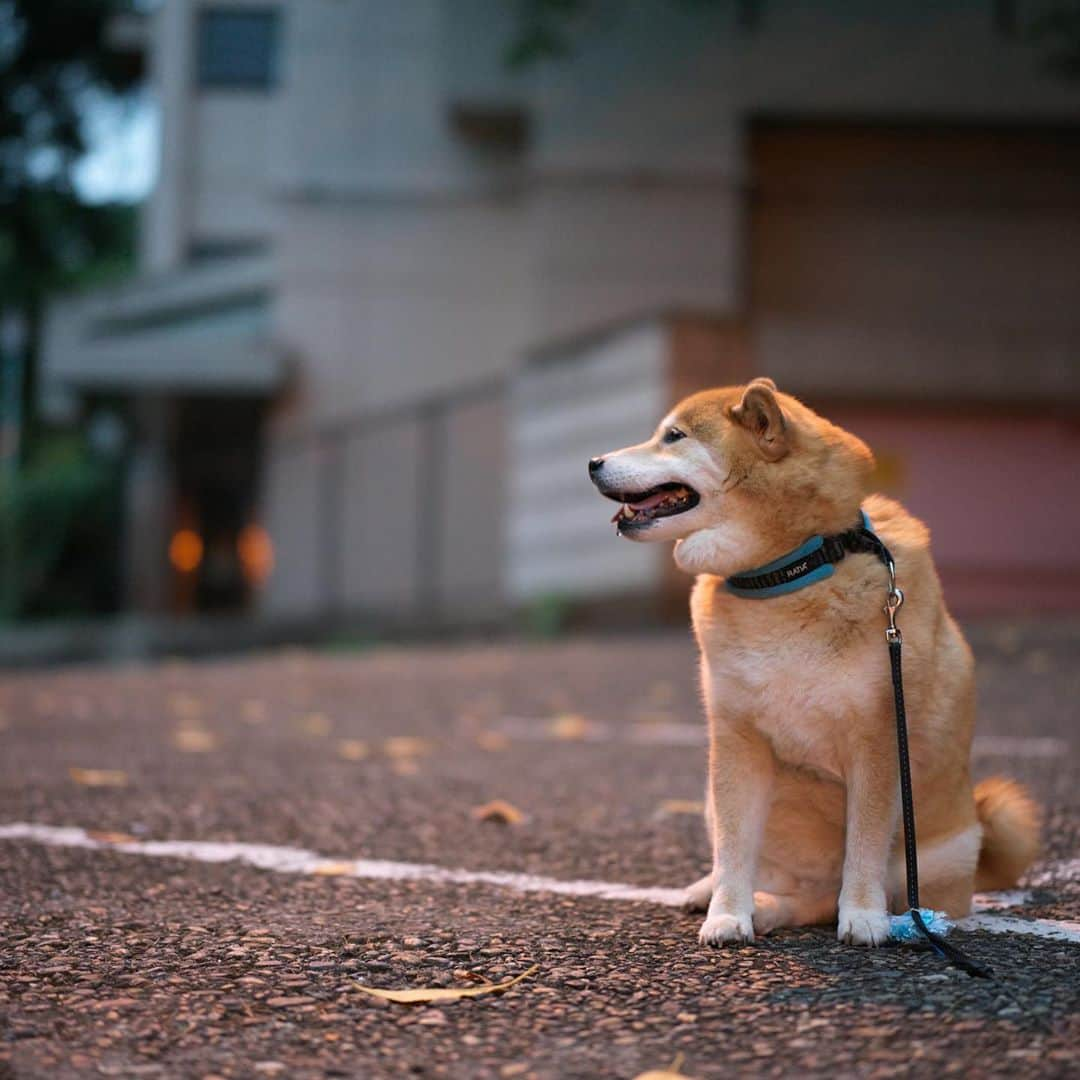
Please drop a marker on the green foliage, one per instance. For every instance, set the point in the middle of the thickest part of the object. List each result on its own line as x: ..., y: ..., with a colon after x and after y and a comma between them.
x: 544, y: 30
x: 58, y: 519
x: 54, y: 55
x: 1058, y: 31
x: 547, y: 616
x: 547, y: 30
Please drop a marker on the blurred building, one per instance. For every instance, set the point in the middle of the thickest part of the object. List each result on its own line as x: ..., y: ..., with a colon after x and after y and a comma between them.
x: 393, y: 294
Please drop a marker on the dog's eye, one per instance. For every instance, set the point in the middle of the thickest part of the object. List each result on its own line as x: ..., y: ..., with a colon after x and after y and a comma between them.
x: 673, y: 434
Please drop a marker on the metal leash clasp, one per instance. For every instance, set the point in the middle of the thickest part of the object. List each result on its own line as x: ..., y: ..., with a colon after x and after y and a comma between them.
x: 892, y: 606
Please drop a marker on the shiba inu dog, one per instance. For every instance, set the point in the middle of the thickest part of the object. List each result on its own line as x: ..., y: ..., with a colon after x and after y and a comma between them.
x: 802, y: 802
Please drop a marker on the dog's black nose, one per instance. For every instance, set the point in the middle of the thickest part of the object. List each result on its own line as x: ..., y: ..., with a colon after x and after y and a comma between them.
x: 595, y: 465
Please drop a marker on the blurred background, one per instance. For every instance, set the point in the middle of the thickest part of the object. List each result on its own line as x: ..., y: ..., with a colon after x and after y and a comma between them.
x: 312, y: 311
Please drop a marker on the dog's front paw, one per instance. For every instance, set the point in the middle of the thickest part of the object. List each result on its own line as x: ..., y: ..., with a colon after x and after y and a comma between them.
x: 862, y: 926
x: 724, y: 929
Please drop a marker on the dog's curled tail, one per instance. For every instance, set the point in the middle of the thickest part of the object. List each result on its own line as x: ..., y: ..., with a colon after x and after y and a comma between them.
x: 1010, y: 842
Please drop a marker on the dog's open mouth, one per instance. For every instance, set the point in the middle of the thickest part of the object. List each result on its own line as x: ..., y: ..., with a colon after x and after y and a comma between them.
x: 665, y: 500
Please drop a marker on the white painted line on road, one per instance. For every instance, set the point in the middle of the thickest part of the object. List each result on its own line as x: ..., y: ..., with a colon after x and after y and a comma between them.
x: 993, y: 901
x: 1066, y: 930
x: 1066, y: 870
x: 1023, y: 746
x: 678, y: 733
x: 289, y: 860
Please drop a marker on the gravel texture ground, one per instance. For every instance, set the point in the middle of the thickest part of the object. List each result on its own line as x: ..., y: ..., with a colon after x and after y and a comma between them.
x: 118, y: 965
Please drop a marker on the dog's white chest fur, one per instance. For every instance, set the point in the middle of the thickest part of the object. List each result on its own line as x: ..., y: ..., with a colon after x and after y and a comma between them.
x: 798, y: 693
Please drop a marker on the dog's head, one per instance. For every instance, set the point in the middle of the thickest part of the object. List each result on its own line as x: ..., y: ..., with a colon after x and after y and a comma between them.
x: 737, y: 475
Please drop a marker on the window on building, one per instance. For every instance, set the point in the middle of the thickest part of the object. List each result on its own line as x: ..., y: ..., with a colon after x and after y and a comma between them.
x: 237, y: 48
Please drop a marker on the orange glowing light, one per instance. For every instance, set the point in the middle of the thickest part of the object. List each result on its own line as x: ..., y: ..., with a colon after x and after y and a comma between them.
x: 256, y: 552
x: 186, y: 550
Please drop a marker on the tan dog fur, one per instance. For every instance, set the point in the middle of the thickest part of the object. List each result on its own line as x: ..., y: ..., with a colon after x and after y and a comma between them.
x: 802, y: 799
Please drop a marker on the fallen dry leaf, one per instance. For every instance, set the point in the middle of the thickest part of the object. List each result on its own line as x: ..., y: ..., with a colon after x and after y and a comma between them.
x: 404, y: 746
x: 185, y: 707
x: 315, y: 724
x: 253, y: 712
x: 568, y: 726
x: 405, y: 767
x: 670, y: 1073
x: 492, y: 741
x: 44, y: 704
x: 681, y: 806
x: 443, y: 993
x: 353, y: 749
x: 334, y: 869
x: 498, y: 810
x: 104, y: 837
x: 194, y: 740
x: 98, y: 777
x: 662, y: 692
x: 472, y: 976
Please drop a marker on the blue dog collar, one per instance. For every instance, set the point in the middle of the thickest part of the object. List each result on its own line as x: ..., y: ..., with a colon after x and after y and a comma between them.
x: 811, y: 561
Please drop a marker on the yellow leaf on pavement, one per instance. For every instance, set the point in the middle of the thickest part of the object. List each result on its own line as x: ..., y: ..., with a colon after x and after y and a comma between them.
x: 569, y: 726
x: 185, y: 707
x: 194, y: 740
x: 253, y: 712
x: 405, y: 766
x: 443, y: 993
x: 315, y: 724
x: 492, y: 741
x: 352, y: 749
x: 662, y: 692
x: 670, y: 1073
x: 403, y: 746
x: 334, y: 869
x: 104, y: 837
x: 682, y: 806
x: 498, y: 810
x: 98, y: 777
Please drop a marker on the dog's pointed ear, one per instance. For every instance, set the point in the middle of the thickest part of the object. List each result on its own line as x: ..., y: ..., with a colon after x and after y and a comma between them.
x: 760, y: 413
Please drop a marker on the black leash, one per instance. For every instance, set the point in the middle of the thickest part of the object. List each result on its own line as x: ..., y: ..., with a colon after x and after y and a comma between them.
x: 907, y: 804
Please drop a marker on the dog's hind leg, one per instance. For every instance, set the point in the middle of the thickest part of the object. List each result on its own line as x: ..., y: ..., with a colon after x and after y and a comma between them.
x: 699, y: 894
x: 775, y: 910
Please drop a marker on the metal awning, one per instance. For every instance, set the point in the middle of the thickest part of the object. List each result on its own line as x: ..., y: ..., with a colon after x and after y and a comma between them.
x: 204, y: 329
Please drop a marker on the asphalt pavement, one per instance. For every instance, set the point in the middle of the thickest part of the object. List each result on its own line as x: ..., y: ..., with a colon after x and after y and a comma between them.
x: 150, y: 941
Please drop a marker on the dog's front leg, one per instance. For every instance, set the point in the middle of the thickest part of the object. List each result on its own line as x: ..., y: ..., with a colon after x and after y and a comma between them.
x: 740, y: 791
x: 872, y: 816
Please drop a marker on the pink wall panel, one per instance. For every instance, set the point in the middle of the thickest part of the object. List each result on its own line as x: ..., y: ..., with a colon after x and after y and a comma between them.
x: 999, y: 493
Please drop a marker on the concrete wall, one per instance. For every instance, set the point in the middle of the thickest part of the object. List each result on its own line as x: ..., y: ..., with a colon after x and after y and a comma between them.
x: 386, y: 301
x: 567, y: 407
x: 396, y: 513
x: 215, y: 181
x: 383, y: 518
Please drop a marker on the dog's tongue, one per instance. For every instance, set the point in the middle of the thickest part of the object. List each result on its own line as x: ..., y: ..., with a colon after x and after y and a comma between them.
x: 648, y: 503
